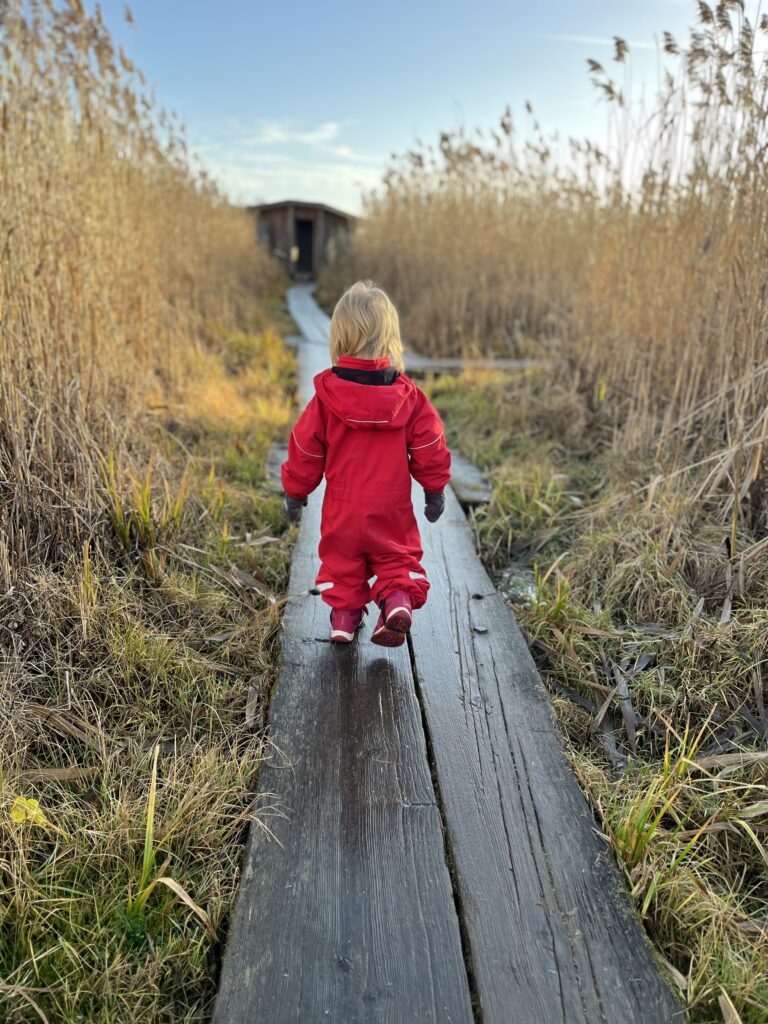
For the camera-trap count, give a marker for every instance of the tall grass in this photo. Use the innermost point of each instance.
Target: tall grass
(140, 387)
(629, 467)
(116, 258)
(637, 268)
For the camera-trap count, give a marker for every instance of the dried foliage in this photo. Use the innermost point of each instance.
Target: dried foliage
(630, 506)
(116, 259)
(636, 267)
(139, 390)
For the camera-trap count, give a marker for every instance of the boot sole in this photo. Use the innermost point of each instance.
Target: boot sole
(388, 638)
(400, 620)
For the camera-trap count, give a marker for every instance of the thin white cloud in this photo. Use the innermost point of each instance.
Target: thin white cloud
(336, 184)
(275, 159)
(598, 41)
(270, 133)
(346, 153)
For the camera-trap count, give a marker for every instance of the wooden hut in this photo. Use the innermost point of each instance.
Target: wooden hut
(299, 232)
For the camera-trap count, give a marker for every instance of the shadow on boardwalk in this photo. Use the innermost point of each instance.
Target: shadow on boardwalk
(437, 860)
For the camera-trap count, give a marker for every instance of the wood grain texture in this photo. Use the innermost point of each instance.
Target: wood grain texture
(276, 456)
(346, 910)
(548, 919)
(470, 485)
(455, 364)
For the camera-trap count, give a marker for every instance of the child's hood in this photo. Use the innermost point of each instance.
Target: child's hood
(368, 406)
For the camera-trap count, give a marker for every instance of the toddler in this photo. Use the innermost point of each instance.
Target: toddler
(368, 429)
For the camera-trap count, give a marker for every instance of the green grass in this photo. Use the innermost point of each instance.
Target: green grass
(635, 594)
(127, 724)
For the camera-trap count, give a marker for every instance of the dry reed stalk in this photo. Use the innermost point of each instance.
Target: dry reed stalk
(125, 283)
(117, 258)
(639, 271)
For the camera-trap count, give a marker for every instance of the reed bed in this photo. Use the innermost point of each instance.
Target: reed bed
(117, 258)
(636, 268)
(141, 551)
(629, 466)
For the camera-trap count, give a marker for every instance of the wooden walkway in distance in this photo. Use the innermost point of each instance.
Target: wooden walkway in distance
(454, 364)
(428, 854)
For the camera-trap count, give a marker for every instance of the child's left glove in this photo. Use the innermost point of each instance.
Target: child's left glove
(293, 507)
(435, 504)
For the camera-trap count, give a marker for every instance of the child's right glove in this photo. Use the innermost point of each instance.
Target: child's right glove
(293, 507)
(435, 503)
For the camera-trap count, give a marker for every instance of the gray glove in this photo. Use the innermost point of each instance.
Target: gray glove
(435, 504)
(293, 507)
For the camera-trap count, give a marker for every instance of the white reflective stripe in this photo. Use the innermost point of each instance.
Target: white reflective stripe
(311, 455)
(417, 446)
(350, 420)
(340, 632)
(401, 608)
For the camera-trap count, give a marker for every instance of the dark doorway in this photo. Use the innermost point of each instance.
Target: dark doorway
(304, 235)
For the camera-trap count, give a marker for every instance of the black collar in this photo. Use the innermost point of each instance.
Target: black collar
(376, 377)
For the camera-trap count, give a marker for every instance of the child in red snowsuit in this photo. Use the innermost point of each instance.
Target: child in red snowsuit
(368, 429)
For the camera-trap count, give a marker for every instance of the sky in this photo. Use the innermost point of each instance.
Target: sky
(309, 100)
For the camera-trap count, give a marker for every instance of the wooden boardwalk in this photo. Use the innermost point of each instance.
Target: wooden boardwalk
(424, 852)
(455, 364)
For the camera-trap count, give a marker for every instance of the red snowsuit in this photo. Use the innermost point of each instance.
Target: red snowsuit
(368, 439)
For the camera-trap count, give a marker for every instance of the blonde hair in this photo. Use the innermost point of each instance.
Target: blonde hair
(365, 324)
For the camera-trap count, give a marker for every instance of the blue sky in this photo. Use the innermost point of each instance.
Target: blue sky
(309, 99)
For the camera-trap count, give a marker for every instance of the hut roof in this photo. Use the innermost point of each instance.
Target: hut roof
(303, 202)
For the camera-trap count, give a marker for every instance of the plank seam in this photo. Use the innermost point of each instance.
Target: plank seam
(466, 948)
(524, 777)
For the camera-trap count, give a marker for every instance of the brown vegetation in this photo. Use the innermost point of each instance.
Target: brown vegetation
(629, 469)
(140, 386)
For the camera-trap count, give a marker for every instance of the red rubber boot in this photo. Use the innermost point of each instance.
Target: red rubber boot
(398, 611)
(386, 637)
(345, 623)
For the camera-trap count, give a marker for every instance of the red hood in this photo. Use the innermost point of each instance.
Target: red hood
(367, 406)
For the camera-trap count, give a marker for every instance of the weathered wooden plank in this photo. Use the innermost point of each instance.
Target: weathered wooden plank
(276, 456)
(470, 485)
(550, 932)
(345, 913)
(311, 320)
(345, 910)
(550, 928)
(314, 325)
(455, 364)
